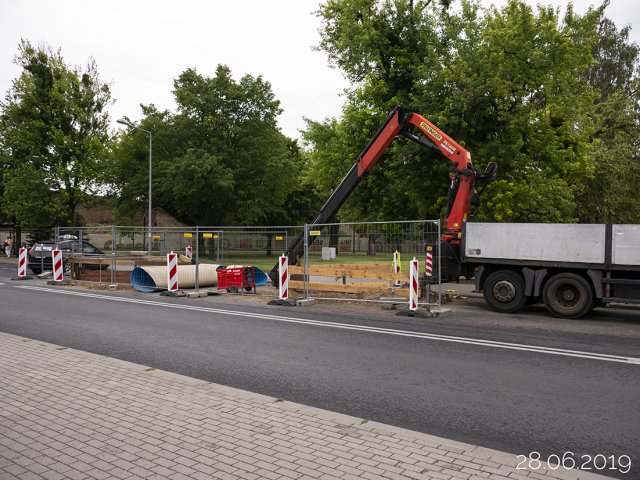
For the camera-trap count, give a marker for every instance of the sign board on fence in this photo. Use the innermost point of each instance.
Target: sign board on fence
(279, 237)
(156, 237)
(188, 235)
(314, 233)
(207, 235)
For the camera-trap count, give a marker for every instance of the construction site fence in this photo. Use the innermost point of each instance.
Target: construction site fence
(341, 261)
(355, 261)
(260, 246)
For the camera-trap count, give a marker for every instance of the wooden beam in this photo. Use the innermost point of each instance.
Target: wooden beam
(348, 288)
(347, 272)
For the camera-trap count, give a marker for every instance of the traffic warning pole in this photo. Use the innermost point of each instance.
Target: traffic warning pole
(189, 252)
(22, 263)
(283, 276)
(396, 262)
(56, 257)
(172, 272)
(413, 280)
(428, 270)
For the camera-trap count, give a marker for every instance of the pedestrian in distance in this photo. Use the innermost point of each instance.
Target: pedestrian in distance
(7, 247)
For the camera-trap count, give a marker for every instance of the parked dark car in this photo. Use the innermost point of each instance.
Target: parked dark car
(39, 257)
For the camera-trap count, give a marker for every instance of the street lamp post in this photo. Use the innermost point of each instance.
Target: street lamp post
(128, 123)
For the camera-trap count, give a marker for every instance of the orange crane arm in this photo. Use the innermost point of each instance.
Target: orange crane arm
(463, 175)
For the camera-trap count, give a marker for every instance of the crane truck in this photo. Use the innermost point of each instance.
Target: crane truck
(570, 268)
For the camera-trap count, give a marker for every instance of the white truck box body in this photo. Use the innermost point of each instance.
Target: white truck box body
(541, 242)
(626, 245)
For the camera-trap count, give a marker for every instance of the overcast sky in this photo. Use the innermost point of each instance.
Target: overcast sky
(141, 46)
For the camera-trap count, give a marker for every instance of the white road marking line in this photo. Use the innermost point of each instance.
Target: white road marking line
(362, 328)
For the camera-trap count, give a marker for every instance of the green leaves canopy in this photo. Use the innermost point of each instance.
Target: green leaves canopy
(53, 135)
(515, 86)
(220, 159)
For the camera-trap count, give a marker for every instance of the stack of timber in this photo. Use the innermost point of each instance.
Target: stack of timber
(366, 278)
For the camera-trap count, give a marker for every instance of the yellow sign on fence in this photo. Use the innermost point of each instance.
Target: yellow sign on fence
(207, 235)
(188, 235)
(314, 233)
(156, 237)
(279, 237)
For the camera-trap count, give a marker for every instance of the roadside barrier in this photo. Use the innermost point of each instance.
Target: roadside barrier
(413, 289)
(428, 262)
(189, 251)
(22, 263)
(56, 256)
(283, 275)
(172, 272)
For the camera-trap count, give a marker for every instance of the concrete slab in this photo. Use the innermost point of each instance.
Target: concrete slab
(306, 302)
(196, 294)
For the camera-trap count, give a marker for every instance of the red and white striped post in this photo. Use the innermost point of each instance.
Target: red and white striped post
(428, 263)
(56, 256)
(172, 272)
(283, 276)
(428, 270)
(189, 251)
(413, 280)
(22, 263)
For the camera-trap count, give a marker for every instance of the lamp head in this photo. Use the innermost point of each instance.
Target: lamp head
(125, 121)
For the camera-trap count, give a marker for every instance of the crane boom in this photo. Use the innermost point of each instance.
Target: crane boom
(399, 122)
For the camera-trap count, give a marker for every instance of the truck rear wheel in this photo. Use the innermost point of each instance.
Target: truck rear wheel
(567, 295)
(504, 291)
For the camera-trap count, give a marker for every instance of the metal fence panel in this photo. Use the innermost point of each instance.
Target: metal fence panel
(342, 261)
(228, 245)
(354, 261)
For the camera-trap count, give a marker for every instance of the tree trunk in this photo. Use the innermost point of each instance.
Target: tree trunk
(334, 236)
(371, 246)
(269, 244)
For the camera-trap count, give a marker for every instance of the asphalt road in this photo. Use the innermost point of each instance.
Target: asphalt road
(439, 376)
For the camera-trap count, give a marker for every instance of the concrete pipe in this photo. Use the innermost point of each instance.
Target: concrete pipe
(152, 278)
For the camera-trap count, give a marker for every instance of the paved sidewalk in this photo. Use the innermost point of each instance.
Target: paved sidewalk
(70, 414)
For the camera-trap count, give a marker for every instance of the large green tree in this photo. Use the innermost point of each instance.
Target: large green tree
(53, 136)
(517, 85)
(220, 159)
(611, 195)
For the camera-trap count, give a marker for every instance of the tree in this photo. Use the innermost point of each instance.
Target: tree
(53, 133)
(611, 194)
(221, 159)
(616, 60)
(508, 84)
(20, 185)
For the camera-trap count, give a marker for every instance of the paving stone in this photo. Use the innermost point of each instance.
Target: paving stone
(72, 414)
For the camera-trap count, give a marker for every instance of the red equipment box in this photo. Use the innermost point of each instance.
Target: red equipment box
(236, 278)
